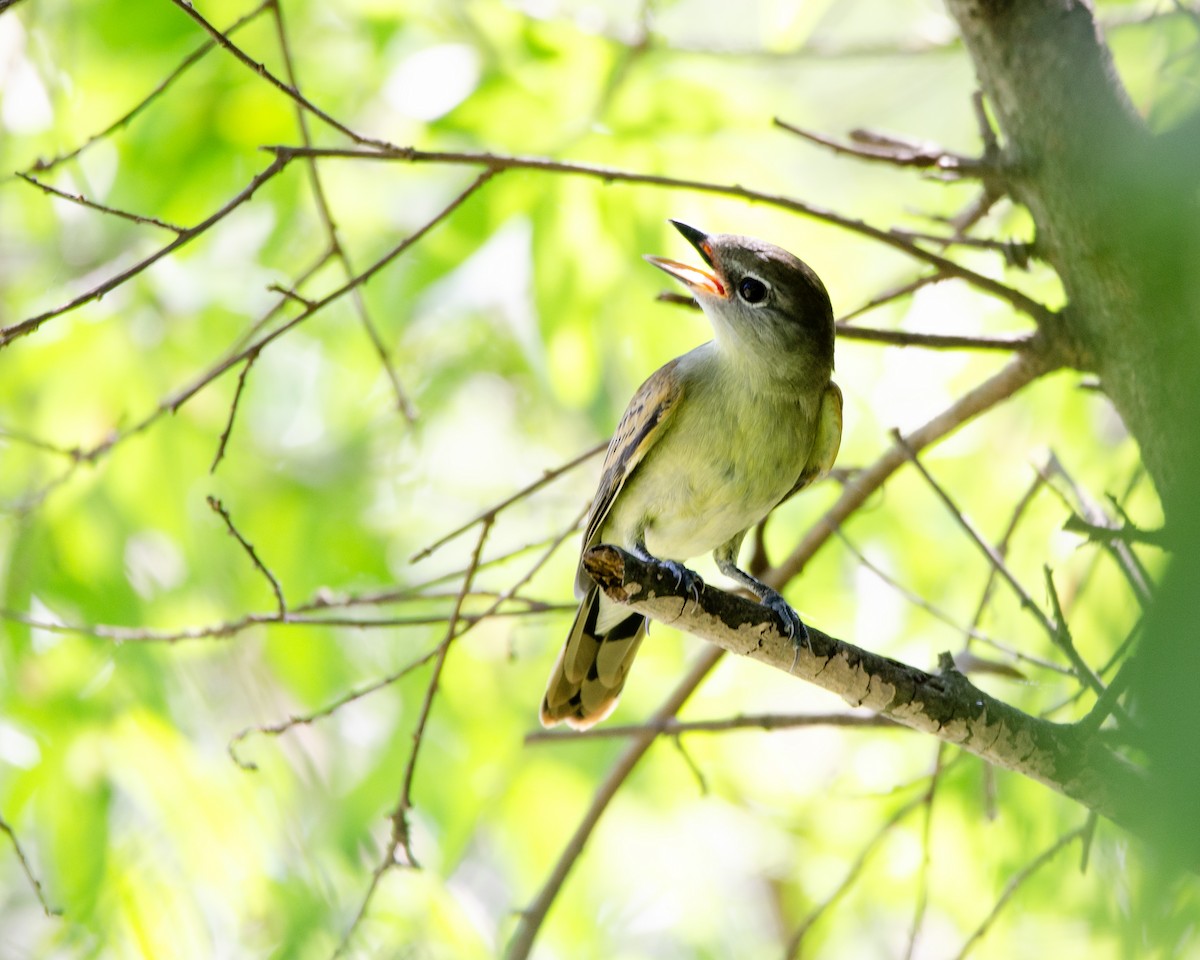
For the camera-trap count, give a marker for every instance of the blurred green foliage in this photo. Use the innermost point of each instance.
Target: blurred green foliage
(518, 328)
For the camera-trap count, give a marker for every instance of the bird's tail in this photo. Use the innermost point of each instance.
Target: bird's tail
(591, 669)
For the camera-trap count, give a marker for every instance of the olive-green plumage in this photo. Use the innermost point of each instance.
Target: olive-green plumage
(708, 446)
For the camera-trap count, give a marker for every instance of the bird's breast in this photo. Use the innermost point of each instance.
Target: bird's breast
(722, 465)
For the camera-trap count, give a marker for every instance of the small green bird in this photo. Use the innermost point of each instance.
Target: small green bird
(709, 445)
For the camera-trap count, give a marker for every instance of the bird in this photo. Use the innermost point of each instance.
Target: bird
(709, 445)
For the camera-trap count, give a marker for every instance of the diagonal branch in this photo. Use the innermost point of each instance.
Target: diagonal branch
(499, 162)
(532, 917)
(25, 327)
(945, 704)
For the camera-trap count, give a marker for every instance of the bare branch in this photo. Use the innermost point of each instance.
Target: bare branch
(189, 61)
(1002, 545)
(489, 514)
(896, 151)
(261, 70)
(403, 403)
(83, 201)
(1015, 883)
(401, 836)
(671, 727)
(935, 341)
(976, 537)
(792, 949)
(532, 917)
(219, 508)
(25, 327)
(1063, 639)
(500, 162)
(946, 704)
(233, 408)
(34, 882)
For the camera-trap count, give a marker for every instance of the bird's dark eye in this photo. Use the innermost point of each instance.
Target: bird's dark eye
(752, 290)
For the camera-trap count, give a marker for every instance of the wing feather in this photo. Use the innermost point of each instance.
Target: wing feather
(640, 428)
(826, 442)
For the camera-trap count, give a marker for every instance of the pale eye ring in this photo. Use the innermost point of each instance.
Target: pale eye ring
(752, 290)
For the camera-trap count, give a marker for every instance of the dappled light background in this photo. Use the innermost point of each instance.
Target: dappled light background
(141, 636)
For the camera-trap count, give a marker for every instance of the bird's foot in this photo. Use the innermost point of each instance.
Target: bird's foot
(793, 627)
(686, 579)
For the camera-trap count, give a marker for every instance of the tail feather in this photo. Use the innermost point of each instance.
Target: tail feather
(591, 669)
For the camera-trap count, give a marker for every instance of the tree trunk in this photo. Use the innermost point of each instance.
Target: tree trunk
(1115, 207)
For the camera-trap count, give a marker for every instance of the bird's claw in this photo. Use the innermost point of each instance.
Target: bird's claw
(789, 619)
(688, 580)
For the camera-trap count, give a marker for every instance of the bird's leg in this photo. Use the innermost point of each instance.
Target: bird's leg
(726, 558)
(688, 579)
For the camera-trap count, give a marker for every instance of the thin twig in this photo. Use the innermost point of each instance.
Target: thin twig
(1063, 639)
(359, 693)
(889, 296)
(500, 162)
(990, 552)
(34, 882)
(190, 60)
(233, 409)
(25, 327)
(261, 70)
(1002, 544)
(403, 403)
(546, 477)
(219, 508)
(968, 631)
(671, 727)
(921, 903)
(1090, 512)
(81, 200)
(1127, 533)
(934, 341)
(532, 917)
(792, 948)
(19, 436)
(1014, 884)
(895, 151)
(400, 831)
(401, 835)
(230, 628)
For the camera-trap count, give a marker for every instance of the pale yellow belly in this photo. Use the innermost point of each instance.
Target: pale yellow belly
(701, 487)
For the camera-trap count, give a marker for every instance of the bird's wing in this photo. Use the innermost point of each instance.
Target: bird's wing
(640, 428)
(826, 442)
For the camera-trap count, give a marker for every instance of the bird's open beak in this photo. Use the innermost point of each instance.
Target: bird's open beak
(692, 277)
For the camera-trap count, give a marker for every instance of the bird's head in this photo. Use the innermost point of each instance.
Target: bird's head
(761, 300)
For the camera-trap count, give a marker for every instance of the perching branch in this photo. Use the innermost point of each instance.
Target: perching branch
(945, 704)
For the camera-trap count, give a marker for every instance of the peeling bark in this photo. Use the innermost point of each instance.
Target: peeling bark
(945, 704)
